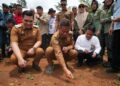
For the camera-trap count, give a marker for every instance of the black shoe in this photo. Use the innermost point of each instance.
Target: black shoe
(36, 67)
(111, 70)
(106, 65)
(91, 63)
(1, 57)
(21, 70)
(49, 69)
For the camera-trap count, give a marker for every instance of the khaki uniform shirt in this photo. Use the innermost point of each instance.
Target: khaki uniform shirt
(57, 43)
(26, 38)
(43, 27)
(68, 14)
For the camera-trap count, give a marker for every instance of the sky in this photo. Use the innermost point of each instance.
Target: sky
(46, 4)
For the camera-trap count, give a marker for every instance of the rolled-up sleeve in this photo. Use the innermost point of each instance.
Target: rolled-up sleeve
(78, 43)
(97, 46)
(14, 35)
(56, 47)
(39, 37)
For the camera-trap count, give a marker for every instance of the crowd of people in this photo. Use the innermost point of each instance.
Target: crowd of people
(83, 34)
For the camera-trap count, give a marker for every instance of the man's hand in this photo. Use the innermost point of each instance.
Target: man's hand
(38, 17)
(22, 63)
(65, 49)
(94, 55)
(86, 51)
(102, 20)
(31, 51)
(97, 33)
(110, 31)
(81, 31)
(69, 74)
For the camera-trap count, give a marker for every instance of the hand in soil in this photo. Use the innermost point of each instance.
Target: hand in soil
(69, 74)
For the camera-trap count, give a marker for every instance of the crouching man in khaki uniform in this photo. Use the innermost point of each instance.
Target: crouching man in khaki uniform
(61, 47)
(25, 42)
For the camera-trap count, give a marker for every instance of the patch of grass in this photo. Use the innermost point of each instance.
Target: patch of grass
(117, 83)
(30, 76)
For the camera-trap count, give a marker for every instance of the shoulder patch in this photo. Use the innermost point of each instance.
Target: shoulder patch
(18, 26)
(36, 26)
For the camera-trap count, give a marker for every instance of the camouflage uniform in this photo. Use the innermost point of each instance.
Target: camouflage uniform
(106, 39)
(94, 20)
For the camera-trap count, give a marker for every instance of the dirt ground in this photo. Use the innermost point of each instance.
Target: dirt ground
(84, 76)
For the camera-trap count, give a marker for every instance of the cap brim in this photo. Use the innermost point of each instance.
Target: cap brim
(51, 12)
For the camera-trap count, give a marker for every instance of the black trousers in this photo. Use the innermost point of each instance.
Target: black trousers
(45, 41)
(106, 41)
(3, 39)
(115, 62)
(90, 59)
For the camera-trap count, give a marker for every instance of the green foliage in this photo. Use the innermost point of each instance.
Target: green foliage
(87, 2)
(23, 3)
(58, 7)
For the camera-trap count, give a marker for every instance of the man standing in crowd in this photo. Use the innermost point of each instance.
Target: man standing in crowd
(115, 26)
(4, 16)
(10, 23)
(61, 48)
(88, 47)
(18, 15)
(51, 23)
(75, 11)
(1, 36)
(65, 13)
(105, 38)
(25, 42)
(75, 26)
(42, 22)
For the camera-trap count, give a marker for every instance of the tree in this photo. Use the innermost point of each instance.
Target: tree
(88, 2)
(58, 7)
(23, 3)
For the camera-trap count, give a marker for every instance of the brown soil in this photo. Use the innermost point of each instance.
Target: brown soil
(84, 76)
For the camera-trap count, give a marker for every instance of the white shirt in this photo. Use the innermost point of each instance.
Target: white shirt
(51, 26)
(92, 45)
